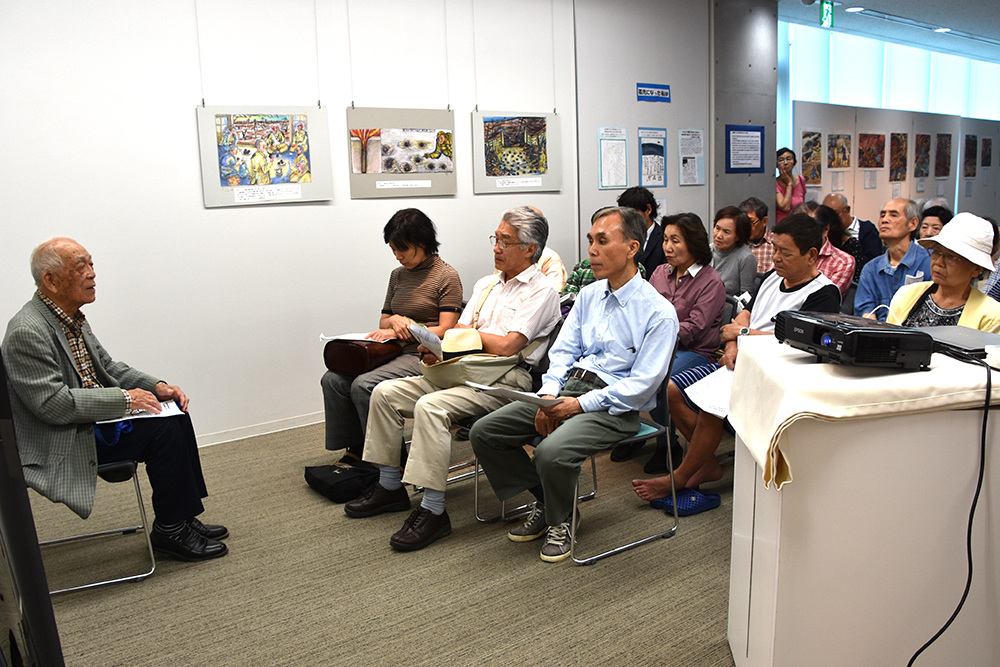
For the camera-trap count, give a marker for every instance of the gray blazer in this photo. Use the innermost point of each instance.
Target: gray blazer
(53, 414)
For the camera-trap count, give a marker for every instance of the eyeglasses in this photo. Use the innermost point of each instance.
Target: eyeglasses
(944, 255)
(494, 241)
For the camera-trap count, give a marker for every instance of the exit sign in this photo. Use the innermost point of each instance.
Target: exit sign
(826, 14)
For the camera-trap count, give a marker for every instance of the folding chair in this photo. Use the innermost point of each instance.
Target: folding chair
(120, 471)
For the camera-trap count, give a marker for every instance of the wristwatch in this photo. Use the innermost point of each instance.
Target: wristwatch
(744, 331)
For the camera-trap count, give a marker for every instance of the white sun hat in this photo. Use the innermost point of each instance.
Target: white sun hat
(968, 236)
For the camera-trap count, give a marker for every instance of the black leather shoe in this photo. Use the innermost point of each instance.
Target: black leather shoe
(209, 530)
(420, 529)
(186, 545)
(377, 499)
(621, 453)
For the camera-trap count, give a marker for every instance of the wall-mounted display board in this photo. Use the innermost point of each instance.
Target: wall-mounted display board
(264, 155)
(400, 152)
(515, 152)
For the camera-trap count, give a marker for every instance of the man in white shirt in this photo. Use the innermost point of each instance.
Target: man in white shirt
(509, 310)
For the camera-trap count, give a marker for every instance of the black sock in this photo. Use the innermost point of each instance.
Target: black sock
(168, 528)
(538, 493)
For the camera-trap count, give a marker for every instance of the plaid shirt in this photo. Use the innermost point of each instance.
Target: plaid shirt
(73, 328)
(582, 275)
(836, 265)
(763, 250)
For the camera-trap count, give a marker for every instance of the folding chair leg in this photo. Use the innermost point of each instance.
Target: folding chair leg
(523, 510)
(144, 527)
(670, 532)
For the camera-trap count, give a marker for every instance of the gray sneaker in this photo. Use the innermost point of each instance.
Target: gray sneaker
(558, 542)
(533, 528)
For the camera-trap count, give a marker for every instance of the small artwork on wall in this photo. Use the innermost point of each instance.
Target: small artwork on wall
(971, 153)
(401, 152)
(986, 160)
(942, 156)
(812, 157)
(838, 151)
(871, 151)
(922, 156)
(897, 156)
(515, 152)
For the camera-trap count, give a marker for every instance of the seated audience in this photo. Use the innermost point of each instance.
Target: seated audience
(794, 284)
(760, 236)
(902, 263)
(607, 363)
(933, 220)
(642, 200)
(958, 255)
(425, 290)
(835, 264)
(62, 381)
(552, 267)
(862, 230)
(510, 311)
(731, 256)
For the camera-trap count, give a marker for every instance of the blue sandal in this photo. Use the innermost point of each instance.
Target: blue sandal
(689, 502)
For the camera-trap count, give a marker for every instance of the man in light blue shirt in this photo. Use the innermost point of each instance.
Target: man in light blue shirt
(607, 364)
(902, 263)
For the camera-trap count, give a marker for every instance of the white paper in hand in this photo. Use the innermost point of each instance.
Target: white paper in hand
(427, 338)
(712, 393)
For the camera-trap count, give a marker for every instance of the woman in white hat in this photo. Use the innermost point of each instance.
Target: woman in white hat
(958, 255)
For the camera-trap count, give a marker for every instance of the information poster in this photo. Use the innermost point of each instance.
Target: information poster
(613, 157)
(744, 149)
(691, 154)
(652, 157)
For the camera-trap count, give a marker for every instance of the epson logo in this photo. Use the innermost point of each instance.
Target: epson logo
(798, 330)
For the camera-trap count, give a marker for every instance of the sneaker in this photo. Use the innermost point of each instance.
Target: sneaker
(533, 528)
(558, 542)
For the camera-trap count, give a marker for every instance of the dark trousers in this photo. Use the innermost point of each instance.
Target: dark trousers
(170, 451)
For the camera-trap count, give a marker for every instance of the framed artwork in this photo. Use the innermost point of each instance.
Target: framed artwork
(812, 157)
(969, 158)
(653, 157)
(942, 156)
(871, 151)
(922, 156)
(264, 155)
(515, 152)
(400, 152)
(897, 156)
(987, 153)
(744, 149)
(838, 151)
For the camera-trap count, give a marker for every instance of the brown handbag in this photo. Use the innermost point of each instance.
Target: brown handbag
(354, 357)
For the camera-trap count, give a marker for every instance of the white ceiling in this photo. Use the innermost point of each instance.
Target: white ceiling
(977, 17)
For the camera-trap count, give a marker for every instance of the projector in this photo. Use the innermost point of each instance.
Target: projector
(854, 341)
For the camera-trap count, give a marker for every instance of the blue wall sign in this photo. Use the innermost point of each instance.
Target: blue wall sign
(652, 92)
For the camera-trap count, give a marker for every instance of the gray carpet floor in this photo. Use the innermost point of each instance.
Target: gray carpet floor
(306, 585)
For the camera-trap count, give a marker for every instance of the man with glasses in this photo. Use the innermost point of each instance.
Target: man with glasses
(761, 239)
(509, 310)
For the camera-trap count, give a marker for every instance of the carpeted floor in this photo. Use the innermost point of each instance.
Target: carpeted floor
(306, 585)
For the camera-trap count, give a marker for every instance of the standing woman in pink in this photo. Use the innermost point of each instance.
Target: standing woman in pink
(791, 189)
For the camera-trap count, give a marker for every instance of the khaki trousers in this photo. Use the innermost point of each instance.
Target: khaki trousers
(433, 411)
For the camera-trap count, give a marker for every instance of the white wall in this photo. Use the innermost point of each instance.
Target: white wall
(98, 101)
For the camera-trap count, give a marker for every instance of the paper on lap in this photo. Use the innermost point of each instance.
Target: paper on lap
(167, 409)
(515, 395)
(712, 392)
(427, 338)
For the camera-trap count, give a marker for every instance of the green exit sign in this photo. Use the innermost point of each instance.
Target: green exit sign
(826, 14)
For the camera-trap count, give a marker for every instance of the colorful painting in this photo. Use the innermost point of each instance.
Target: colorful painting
(812, 157)
(401, 151)
(871, 151)
(838, 151)
(922, 156)
(263, 149)
(515, 145)
(942, 156)
(987, 156)
(897, 156)
(971, 153)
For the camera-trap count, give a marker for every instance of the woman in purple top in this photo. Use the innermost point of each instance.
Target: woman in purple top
(693, 287)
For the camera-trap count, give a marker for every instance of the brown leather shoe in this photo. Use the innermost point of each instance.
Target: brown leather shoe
(420, 529)
(377, 499)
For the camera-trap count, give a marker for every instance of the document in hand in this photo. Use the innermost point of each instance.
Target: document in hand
(351, 336)
(427, 338)
(712, 392)
(167, 409)
(515, 395)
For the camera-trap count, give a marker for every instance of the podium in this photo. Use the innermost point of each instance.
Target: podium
(860, 558)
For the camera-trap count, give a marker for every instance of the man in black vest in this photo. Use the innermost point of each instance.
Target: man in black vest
(643, 201)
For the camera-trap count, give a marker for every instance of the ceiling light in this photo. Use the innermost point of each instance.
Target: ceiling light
(854, 9)
(942, 30)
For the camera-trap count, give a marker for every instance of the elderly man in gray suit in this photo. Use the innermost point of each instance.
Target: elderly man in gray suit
(62, 381)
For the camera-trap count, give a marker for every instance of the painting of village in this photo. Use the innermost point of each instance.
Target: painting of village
(922, 156)
(262, 149)
(897, 156)
(871, 151)
(838, 151)
(515, 145)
